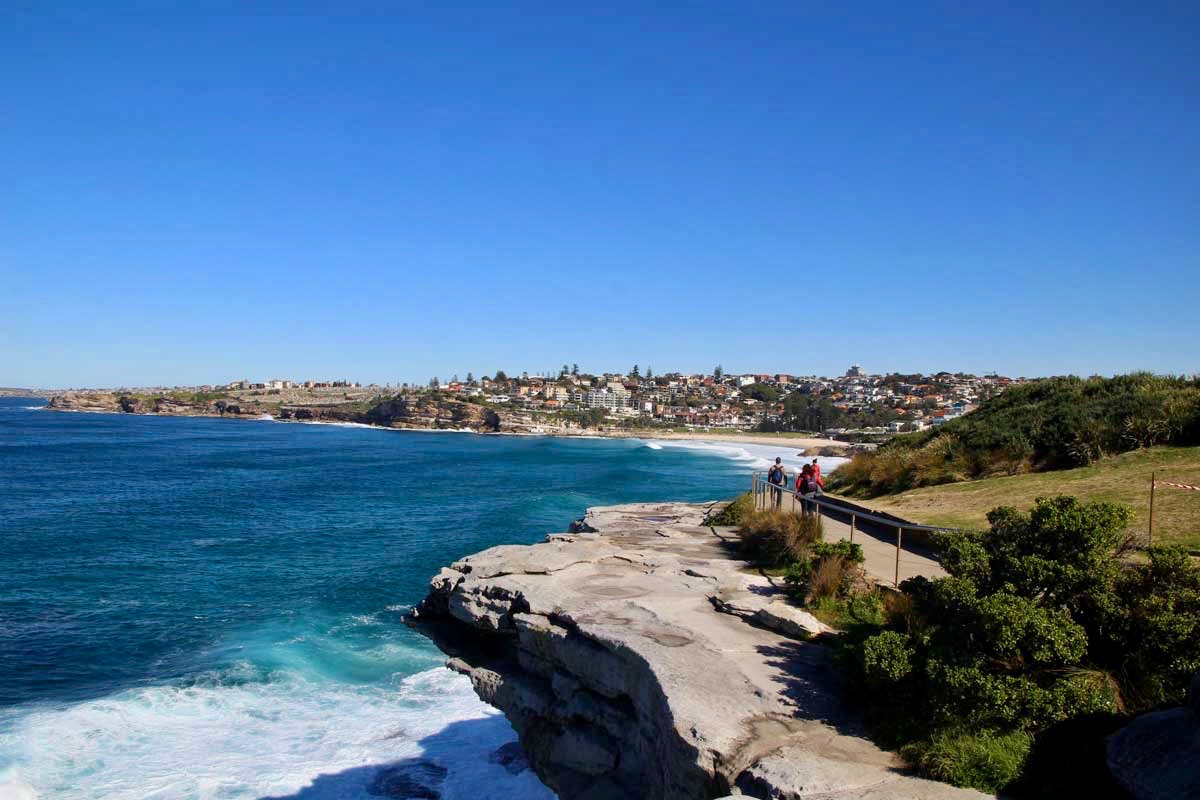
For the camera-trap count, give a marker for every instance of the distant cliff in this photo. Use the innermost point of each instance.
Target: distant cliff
(418, 412)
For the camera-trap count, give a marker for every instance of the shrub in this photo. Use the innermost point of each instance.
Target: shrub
(826, 572)
(1037, 624)
(1150, 634)
(983, 760)
(778, 538)
(856, 612)
(829, 578)
(734, 512)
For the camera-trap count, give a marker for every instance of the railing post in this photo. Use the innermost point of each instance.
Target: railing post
(853, 517)
(899, 536)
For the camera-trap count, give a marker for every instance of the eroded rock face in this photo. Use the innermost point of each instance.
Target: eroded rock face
(637, 658)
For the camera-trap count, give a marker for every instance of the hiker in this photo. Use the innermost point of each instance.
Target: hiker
(816, 468)
(777, 477)
(808, 486)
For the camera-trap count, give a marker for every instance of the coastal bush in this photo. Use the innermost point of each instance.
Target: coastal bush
(826, 571)
(1039, 622)
(734, 512)
(774, 539)
(1056, 423)
(858, 611)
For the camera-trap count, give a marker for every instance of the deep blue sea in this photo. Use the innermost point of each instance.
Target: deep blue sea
(207, 608)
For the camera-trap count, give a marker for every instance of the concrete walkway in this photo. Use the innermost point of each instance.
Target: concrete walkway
(881, 554)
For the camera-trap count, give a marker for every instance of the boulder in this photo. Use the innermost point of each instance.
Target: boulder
(1157, 756)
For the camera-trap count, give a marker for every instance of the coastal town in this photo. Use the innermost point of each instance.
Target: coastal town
(856, 406)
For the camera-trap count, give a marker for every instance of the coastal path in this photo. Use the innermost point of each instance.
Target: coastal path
(889, 559)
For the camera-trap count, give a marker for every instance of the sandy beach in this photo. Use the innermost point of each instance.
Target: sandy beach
(777, 440)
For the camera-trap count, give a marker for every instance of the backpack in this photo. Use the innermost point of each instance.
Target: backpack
(775, 475)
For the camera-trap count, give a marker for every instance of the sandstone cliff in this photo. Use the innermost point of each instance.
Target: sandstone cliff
(419, 412)
(636, 658)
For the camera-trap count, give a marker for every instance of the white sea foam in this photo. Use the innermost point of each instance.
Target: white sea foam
(256, 740)
(753, 455)
(654, 445)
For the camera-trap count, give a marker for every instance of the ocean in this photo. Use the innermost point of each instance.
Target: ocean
(206, 608)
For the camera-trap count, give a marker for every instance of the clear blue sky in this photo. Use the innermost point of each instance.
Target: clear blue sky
(391, 191)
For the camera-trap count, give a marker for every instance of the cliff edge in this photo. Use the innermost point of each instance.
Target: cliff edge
(637, 657)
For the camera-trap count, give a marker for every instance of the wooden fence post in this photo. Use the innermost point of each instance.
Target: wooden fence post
(899, 536)
(853, 517)
(1150, 530)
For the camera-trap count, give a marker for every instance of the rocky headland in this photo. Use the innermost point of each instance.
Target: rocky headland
(637, 657)
(419, 412)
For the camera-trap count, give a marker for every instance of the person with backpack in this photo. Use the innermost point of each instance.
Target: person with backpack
(777, 477)
(808, 486)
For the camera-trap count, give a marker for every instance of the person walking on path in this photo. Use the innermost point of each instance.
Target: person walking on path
(816, 468)
(777, 477)
(808, 486)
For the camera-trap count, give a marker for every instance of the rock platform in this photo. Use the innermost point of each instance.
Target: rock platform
(637, 657)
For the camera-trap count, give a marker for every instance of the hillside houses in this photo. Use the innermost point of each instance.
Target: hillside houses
(872, 405)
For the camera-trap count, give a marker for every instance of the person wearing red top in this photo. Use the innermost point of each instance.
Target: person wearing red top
(816, 470)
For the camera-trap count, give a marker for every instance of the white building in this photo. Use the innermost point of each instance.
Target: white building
(607, 399)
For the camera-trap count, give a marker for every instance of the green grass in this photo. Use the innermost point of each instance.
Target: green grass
(981, 760)
(1124, 479)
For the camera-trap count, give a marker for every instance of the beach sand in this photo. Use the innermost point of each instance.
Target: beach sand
(789, 442)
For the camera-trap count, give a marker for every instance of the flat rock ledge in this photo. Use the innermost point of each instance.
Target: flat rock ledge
(637, 657)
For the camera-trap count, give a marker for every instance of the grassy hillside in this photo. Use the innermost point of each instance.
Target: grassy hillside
(1051, 424)
(1124, 478)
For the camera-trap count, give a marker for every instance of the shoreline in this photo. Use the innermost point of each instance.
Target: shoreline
(732, 437)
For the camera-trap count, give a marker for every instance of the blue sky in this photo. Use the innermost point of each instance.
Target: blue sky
(391, 191)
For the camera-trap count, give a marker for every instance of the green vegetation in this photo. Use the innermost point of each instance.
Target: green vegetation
(761, 391)
(778, 539)
(1052, 424)
(816, 412)
(1040, 625)
(1120, 479)
(734, 512)
(824, 572)
(983, 760)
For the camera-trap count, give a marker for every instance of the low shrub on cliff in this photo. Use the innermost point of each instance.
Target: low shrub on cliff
(775, 539)
(1039, 623)
(827, 571)
(734, 512)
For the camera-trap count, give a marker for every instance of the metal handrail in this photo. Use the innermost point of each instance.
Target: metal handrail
(759, 485)
(816, 500)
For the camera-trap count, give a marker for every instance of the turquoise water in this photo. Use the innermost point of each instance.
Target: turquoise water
(205, 608)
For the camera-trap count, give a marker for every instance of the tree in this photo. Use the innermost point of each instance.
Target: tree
(574, 369)
(718, 373)
(634, 373)
(434, 382)
(761, 391)
(455, 378)
(649, 373)
(500, 376)
(470, 378)
(565, 369)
